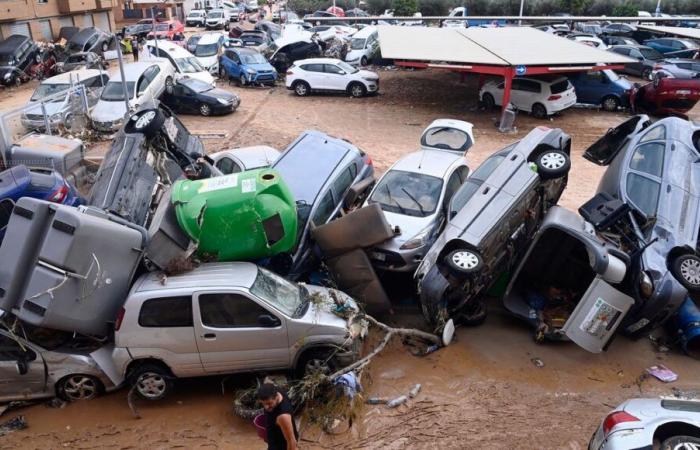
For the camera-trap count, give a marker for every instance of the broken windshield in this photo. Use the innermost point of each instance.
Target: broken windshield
(277, 291)
(409, 193)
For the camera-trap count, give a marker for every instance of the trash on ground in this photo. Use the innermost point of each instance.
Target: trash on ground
(14, 424)
(537, 362)
(393, 403)
(662, 373)
(414, 391)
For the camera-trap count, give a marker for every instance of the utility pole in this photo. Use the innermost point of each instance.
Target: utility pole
(155, 35)
(121, 71)
(522, 3)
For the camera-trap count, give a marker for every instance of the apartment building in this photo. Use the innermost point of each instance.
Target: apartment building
(42, 19)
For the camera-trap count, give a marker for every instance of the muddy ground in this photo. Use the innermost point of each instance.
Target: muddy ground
(483, 391)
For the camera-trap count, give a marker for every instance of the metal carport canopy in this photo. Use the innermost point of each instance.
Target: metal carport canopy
(693, 33)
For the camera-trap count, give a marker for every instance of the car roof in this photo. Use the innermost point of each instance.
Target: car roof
(83, 35)
(209, 38)
(317, 61)
(435, 163)
(10, 44)
(73, 75)
(365, 32)
(254, 156)
(208, 275)
(132, 71)
(174, 50)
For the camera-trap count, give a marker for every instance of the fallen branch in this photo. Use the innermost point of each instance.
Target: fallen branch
(130, 400)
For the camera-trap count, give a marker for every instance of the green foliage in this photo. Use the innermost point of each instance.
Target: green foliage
(624, 10)
(404, 7)
(575, 7)
(434, 7)
(377, 7)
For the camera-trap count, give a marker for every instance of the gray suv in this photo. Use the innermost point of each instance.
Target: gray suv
(229, 317)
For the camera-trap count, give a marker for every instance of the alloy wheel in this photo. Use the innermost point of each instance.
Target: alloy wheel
(465, 260)
(553, 160)
(205, 110)
(80, 387)
(151, 385)
(690, 270)
(356, 90)
(686, 446)
(144, 120)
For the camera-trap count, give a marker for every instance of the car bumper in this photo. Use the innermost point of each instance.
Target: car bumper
(554, 107)
(262, 78)
(224, 109)
(634, 439)
(372, 86)
(107, 127)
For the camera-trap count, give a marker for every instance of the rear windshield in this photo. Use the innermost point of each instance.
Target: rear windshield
(115, 91)
(681, 405)
(408, 193)
(447, 138)
(560, 86)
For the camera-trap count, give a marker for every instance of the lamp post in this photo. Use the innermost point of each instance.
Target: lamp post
(120, 59)
(522, 3)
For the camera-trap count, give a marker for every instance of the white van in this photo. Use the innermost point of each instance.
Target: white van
(363, 46)
(217, 19)
(184, 62)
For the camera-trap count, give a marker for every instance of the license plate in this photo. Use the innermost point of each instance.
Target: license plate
(683, 92)
(378, 256)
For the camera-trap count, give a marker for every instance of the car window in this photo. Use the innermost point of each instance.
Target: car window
(643, 192)
(312, 67)
(229, 311)
(324, 210)
(516, 85)
(559, 87)
(623, 51)
(487, 167)
(227, 166)
(343, 182)
(463, 172)
(10, 350)
(408, 193)
(595, 76)
(530, 86)
(166, 312)
(462, 196)
(654, 134)
(649, 158)
(453, 184)
(331, 68)
(92, 41)
(6, 207)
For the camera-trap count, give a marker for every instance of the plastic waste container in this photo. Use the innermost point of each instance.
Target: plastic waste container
(242, 216)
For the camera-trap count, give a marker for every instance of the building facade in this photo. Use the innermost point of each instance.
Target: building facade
(42, 19)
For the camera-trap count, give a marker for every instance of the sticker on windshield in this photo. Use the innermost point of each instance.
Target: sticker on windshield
(248, 185)
(600, 319)
(214, 184)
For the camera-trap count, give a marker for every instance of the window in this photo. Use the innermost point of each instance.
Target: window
(626, 51)
(92, 41)
(228, 166)
(166, 312)
(408, 193)
(324, 210)
(453, 183)
(229, 311)
(312, 67)
(10, 350)
(6, 206)
(559, 87)
(654, 134)
(344, 181)
(330, 68)
(526, 85)
(595, 76)
(643, 192)
(463, 195)
(463, 172)
(649, 158)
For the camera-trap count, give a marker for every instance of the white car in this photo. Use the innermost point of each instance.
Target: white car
(208, 49)
(456, 23)
(538, 96)
(218, 18)
(196, 18)
(588, 39)
(145, 82)
(330, 75)
(244, 158)
(184, 62)
(363, 46)
(415, 191)
(327, 32)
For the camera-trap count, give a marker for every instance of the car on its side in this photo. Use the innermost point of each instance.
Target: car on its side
(145, 81)
(192, 96)
(223, 318)
(17, 54)
(674, 47)
(664, 423)
(208, 48)
(364, 45)
(90, 39)
(81, 60)
(137, 30)
(196, 18)
(490, 221)
(414, 193)
(677, 68)
(647, 58)
(541, 97)
(167, 30)
(666, 96)
(601, 87)
(244, 158)
(330, 75)
(186, 65)
(246, 65)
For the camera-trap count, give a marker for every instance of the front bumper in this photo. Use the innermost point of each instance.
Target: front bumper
(262, 78)
(372, 86)
(223, 109)
(401, 261)
(107, 127)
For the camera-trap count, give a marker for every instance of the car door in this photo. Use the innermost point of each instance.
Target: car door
(233, 335)
(14, 384)
(604, 150)
(313, 74)
(189, 100)
(636, 67)
(174, 100)
(518, 95)
(234, 64)
(335, 79)
(591, 87)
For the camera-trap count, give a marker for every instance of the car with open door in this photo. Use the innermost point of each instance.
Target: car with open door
(414, 193)
(653, 169)
(490, 221)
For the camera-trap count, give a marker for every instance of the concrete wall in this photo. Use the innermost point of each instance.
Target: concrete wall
(50, 12)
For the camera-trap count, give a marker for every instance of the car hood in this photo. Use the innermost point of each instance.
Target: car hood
(368, 74)
(319, 313)
(259, 66)
(204, 77)
(409, 226)
(105, 111)
(208, 61)
(354, 54)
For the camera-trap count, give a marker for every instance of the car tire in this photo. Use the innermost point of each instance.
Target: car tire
(241, 80)
(552, 164)
(610, 103)
(463, 261)
(316, 361)
(301, 88)
(646, 74)
(488, 101)
(357, 90)
(363, 61)
(686, 269)
(539, 111)
(68, 121)
(204, 109)
(17, 81)
(147, 122)
(169, 85)
(679, 442)
(472, 314)
(105, 46)
(151, 381)
(222, 72)
(78, 387)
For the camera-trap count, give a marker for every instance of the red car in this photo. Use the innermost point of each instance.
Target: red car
(665, 96)
(167, 29)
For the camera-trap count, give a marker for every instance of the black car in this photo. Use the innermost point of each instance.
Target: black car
(197, 97)
(647, 58)
(17, 54)
(90, 39)
(282, 58)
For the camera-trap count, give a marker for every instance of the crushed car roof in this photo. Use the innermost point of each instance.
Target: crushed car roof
(233, 274)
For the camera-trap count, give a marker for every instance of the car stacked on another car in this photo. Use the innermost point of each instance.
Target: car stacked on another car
(194, 96)
(90, 39)
(186, 65)
(330, 75)
(541, 97)
(207, 51)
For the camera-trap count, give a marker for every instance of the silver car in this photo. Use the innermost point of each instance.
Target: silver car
(228, 317)
(678, 68)
(244, 158)
(415, 191)
(646, 423)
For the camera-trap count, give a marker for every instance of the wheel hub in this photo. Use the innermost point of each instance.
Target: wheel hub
(145, 119)
(690, 270)
(80, 388)
(151, 385)
(465, 260)
(553, 160)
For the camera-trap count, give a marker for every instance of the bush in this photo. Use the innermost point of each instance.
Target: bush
(404, 7)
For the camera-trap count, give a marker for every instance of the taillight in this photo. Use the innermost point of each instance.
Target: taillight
(616, 418)
(554, 97)
(59, 195)
(657, 67)
(120, 318)
(369, 160)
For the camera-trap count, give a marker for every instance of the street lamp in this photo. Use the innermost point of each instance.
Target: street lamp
(522, 3)
(121, 70)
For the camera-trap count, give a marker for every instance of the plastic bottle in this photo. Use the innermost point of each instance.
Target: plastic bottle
(414, 390)
(397, 401)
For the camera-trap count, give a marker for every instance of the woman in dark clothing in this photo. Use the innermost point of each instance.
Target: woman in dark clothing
(282, 432)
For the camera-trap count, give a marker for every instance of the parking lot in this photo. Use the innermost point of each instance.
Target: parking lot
(484, 387)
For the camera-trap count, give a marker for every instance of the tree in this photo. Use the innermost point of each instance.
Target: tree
(378, 6)
(404, 7)
(624, 10)
(434, 7)
(575, 7)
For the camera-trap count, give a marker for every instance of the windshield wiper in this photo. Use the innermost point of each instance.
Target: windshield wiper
(392, 200)
(422, 211)
(304, 302)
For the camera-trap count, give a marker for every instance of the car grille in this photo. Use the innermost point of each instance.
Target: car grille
(34, 117)
(392, 259)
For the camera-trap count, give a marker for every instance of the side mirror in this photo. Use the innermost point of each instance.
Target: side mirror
(268, 321)
(22, 366)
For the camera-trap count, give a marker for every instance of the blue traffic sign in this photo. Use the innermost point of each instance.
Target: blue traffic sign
(520, 70)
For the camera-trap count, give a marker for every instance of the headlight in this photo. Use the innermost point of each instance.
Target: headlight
(418, 240)
(370, 78)
(250, 71)
(646, 286)
(222, 101)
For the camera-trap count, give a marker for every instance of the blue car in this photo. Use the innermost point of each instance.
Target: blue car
(44, 184)
(247, 66)
(676, 47)
(601, 87)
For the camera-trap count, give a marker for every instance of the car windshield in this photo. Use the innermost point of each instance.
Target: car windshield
(206, 49)
(190, 64)
(408, 193)
(162, 27)
(347, 67)
(253, 58)
(688, 44)
(198, 85)
(74, 47)
(195, 14)
(47, 89)
(357, 44)
(215, 15)
(114, 91)
(278, 292)
(650, 53)
(560, 86)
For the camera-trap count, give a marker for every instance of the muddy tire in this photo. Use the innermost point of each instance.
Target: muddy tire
(222, 72)
(152, 382)
(552, 164)
(357, 90)
(473, 314)
(462, 262)
(78, 387)
(610, 103)
(680, 443)
(363, 61)
(242, 81)
(244, 405)
(147, 122)
(302, 88)
(686, 269)
(539, 111)
(204, 109)
(316, 361)
(488, 101)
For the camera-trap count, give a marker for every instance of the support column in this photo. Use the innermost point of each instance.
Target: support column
(508, 74)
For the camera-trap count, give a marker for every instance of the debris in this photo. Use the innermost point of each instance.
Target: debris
(377, 401)
(537, 362)
(397, 401)
(130, 400)
(56, 403)
(685, 394)
(349, 383)
(431, 349)
(662, 373)
(414, 391)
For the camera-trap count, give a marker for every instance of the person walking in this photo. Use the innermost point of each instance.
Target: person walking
(282, 432)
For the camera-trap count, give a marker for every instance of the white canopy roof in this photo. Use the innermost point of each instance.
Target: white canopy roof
(693, 33)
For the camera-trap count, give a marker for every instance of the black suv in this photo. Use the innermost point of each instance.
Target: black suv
(17, 54)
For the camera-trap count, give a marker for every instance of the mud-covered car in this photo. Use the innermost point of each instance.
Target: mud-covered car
(652, 169)
(490, 221)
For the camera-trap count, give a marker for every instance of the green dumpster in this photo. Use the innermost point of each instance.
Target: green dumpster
(242, 216)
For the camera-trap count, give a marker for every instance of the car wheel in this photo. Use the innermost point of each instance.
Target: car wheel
(315, 362)
(473, 314)
(488, 101)
(363, 61)
(357, 90)
(302, 88)
(681, 443)
(78, 387)
(646, 73)
(105, 46)
(552, 164)
(242, 81)
(686, 269)
(17, 81)
(539, 111)
(205, 109)
(147, 122)
(222, 72)
(169, 85)
(68, 121)
(610, 103)
(152, 382)
(464, 262)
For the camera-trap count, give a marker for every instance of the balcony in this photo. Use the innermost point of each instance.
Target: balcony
(13, 10)
(105, 4)
(75, 6)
